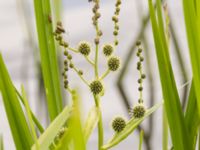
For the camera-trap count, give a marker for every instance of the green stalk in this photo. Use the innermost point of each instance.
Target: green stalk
(100, 123)
(165, 131)
(1, 142)
(141, 139)
(96, 61)
(48, 57)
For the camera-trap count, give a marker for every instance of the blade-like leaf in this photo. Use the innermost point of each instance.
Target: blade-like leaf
(175, 116)
(91, 122)
(36, 122)
(28, 111)
(1, 142)
(192, 22)
(48, 136)
(48, 57)
(130, 127)
(19, 127)
(192, 118)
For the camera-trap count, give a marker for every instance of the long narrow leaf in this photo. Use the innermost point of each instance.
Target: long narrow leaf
(1, 142)
(130, 127)
(192, 22)
(91, 122)
(19, 127)
(192, 118)
(48, 57)
(28, 111)
(48, 136)
(172, 104)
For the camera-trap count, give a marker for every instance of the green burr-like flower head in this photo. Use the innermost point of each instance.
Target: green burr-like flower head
(96, 87)
(138, 111)
(84, 48)
(113, 63)
(108, 49)
(118, 124)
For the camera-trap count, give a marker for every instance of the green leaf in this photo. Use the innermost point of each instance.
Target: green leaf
(192, 22)
(37, 123)
(130, 127)
(15, 115)
(48, 57)
(28, 111)
(192, 118)
(1, 142)
(175, 116)
(91, 122)
(48, 136)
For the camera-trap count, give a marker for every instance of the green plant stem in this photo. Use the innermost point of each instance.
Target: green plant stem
(165, 131)
(72, 49)
(96, 61)
(141, 139)
(105, 74)
(89, 60)
(100, 123)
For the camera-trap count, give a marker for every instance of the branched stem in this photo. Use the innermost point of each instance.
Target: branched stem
(105, 74)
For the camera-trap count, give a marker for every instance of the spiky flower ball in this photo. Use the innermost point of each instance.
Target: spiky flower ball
(108, 50)
(84, 48)
(138, 111)
(113, 63)
(96, 87)
(118, 124)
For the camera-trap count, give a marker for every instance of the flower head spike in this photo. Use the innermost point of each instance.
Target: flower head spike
(138, 111)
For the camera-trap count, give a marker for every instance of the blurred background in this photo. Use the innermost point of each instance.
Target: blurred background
(19, 47)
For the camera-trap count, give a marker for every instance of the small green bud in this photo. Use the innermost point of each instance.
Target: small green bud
(108, 49)
(116, 42)
(118, 124)
(143, 76)
(138, 111)
(139, 80)
(115, 19)
(140, 88)
(113, 63)
(84, 48)
(69, 57)
(139, 50)
(96, 87)
(115, 33)
(80, 72)
(141, 59)
(66, 53)
(71, 65)
(65, 62)
(96, 40)
(138, 43)
(66, 44)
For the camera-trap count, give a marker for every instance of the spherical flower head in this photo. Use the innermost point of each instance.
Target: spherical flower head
(84, 48)
(108, 49)
(96, 87)
(118, 124)
(113, 63)
(138, 111)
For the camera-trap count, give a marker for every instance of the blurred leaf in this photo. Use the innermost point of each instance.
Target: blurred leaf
(48, 57)
(130, 127)
(91, 122)
(192, 118)
(178, 130)
(15, 115)
(75, 127)
(1, 142)
(48, 136)
(28, 111)
(37, 123)
(192, 22)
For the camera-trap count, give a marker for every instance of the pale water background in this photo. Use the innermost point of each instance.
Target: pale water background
(77, 21)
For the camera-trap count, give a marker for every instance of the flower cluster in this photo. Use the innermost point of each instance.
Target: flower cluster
(139, 110)
(118, 124)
